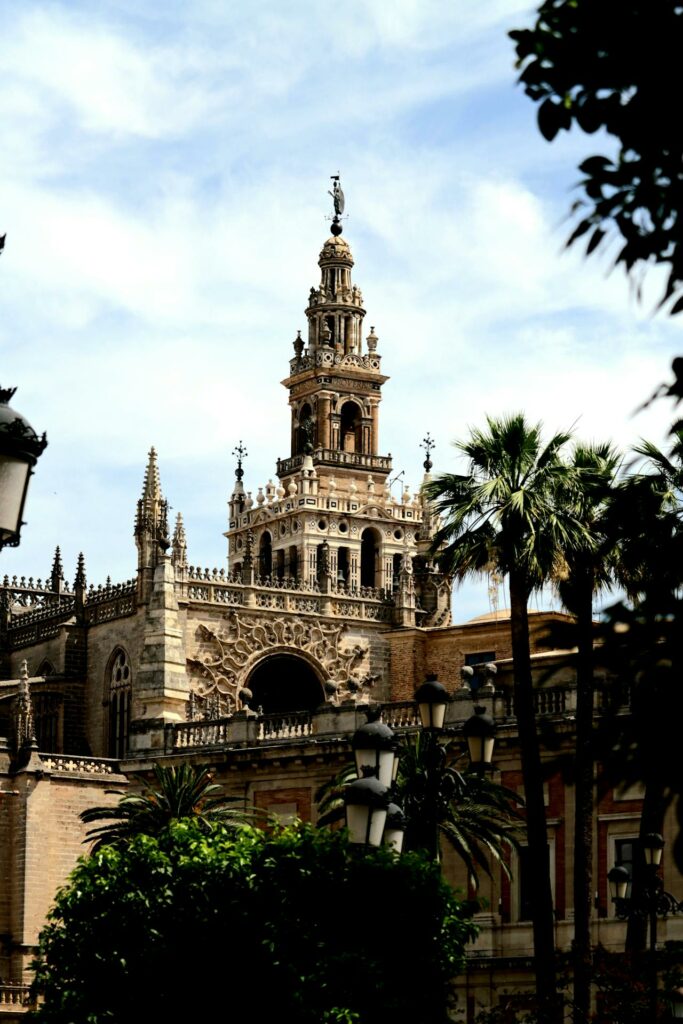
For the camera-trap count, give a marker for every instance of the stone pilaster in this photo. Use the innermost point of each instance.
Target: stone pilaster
(162, 688)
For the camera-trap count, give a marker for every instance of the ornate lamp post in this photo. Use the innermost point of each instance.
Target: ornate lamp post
(652, 902)
(366, 802)
(20, 448)
(432, 699)
(374, 749)
(480, 733)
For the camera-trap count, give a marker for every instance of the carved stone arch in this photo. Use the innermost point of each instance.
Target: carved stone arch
(284, 680)
(118, 686)
(46, 668)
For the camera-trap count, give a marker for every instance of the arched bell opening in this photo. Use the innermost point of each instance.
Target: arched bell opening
(265, 554)
(370, 558)
(351, 428)
(305, 431)
(285, 682)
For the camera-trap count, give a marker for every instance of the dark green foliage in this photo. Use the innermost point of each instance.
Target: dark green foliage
(176, 792)
(281, 926)
(614, 66)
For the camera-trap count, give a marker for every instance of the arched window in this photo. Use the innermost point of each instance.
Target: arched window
(45, 668)
(305, 433)
(119, 703)
(47, 721)
(293, 562)
(351, 430)
(395, 571)
(265, 554)
(369, 558)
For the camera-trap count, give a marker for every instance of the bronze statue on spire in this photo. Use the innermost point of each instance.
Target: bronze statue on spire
(338, 200)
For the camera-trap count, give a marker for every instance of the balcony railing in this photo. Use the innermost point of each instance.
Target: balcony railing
(332, 457)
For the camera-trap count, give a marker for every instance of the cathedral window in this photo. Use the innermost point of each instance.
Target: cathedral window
(119, 703)
(351, 428)
(265, 554)
(280, 564)
(46, 717)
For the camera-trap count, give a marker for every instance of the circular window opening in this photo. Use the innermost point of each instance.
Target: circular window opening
(238, 544)
(295, 526)
(322, 525)
(398, 534)
(283, 530)
(343, 527)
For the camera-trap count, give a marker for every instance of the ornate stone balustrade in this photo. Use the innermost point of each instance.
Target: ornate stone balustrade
(247, 730)
(286, 595)
(550, 700)
(332, 457)
(63, 764)
(292, 726)
(325, 356)
(13, 997)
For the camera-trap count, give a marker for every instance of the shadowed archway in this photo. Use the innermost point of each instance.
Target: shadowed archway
(284, 682)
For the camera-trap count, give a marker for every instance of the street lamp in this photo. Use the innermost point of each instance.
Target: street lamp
(480, 731)
(20, 448)
(675, 1001)
(394, 828)
(652, 901)
(431, 699)
(366, 802)
(374, 749)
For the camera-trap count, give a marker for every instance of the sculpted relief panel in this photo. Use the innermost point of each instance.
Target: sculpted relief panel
(225, 657)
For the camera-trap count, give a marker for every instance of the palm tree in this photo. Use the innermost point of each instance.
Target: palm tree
(591, 497)
(504, 514)
(477, 817)
(175, 793)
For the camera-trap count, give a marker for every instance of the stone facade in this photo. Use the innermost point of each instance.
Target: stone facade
(262, 669)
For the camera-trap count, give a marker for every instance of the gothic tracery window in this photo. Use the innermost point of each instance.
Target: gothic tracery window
(119, 703)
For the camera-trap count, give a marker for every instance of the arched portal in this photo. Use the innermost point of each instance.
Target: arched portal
(369, 558)
(285, 682)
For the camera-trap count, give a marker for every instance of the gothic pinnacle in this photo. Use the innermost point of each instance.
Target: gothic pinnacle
(57, 572)
(151, 488)
(80, 580)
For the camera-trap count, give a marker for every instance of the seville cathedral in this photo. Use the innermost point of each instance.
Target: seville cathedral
(329, 602)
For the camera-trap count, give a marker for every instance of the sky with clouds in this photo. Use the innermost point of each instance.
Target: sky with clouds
(163, 188)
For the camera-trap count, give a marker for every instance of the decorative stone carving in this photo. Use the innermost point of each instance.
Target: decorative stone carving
(225, 658)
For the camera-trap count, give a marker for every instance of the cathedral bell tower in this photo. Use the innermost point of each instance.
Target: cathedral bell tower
(332, 525)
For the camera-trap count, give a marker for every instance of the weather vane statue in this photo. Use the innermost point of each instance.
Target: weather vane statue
(338, 200)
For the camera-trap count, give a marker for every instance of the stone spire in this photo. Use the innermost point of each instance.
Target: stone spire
(151, 487)
(151, 526)
(179, 556)
(57, 572)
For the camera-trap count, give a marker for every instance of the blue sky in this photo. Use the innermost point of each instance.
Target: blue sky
(163, 188)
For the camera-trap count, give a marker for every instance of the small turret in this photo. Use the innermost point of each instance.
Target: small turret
(179, 556)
